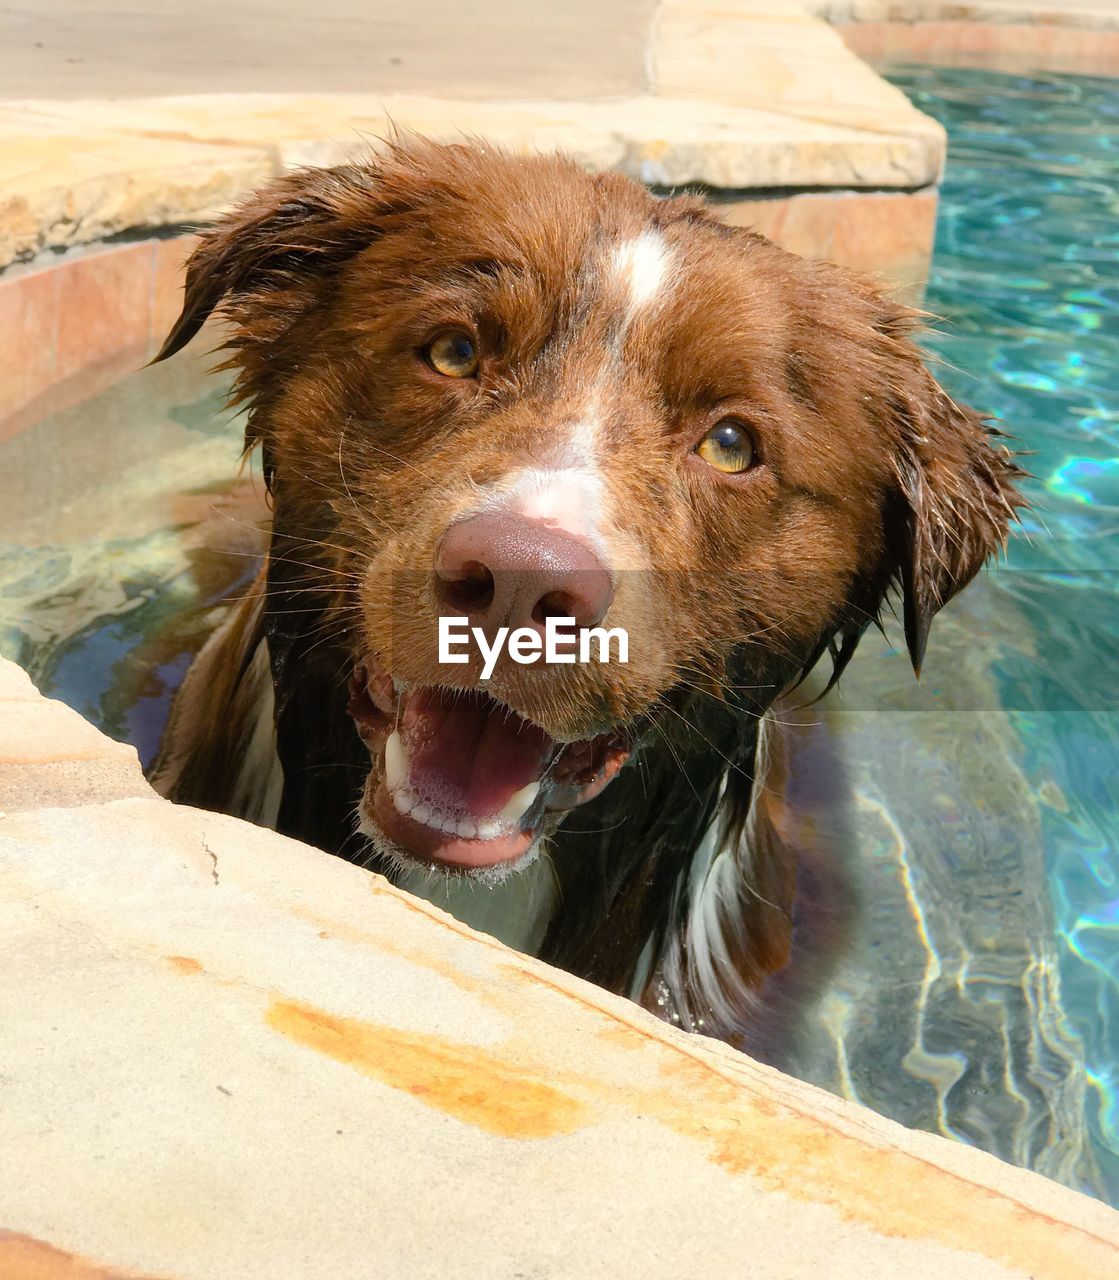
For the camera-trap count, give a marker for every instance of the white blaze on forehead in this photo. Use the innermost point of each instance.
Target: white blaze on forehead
(583, 438)
(643, 265)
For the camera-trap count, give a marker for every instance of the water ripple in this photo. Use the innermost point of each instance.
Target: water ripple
(1027, 273)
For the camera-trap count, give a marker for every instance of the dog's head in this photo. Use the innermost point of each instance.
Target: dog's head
(507, 390)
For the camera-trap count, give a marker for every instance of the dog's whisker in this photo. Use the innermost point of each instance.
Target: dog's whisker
(679, 763)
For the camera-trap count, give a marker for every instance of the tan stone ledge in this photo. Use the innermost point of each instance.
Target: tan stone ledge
(1087, 15)
(737, 93)
(228, 1055)
(79, 171)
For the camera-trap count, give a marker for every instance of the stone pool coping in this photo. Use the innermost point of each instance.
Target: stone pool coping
(757, 100)
(227, 1054)
(738, 94)
(749, 97)
(761, 100)
(1077, 15)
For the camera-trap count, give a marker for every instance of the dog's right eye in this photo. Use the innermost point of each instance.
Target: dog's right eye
(452, 354)
(728, 447)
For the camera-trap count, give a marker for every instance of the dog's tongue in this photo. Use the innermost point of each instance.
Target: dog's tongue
(469, 753)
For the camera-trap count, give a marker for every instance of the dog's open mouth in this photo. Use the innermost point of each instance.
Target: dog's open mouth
(460, 779)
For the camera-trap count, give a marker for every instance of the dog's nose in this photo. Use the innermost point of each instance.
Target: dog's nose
(501, 569)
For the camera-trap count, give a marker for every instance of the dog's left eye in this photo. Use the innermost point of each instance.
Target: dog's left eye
(453, 354)
(728, 447)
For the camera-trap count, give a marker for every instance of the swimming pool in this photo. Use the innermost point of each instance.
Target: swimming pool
(973, 984)
(1026, 277)
(1026, 286)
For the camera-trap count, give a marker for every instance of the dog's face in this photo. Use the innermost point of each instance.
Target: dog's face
(507, 390)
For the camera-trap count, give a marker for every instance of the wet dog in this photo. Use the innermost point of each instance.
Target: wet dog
(507, 391)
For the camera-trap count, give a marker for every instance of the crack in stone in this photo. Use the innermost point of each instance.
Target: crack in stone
(213, 859)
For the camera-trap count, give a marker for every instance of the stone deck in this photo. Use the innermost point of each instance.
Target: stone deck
(756, 101)
(740, 95)
(227, 1055)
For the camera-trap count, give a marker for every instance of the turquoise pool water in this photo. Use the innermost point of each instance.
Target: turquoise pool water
(130, 525)
(968, 825)
(971, 841)
(1026, 282)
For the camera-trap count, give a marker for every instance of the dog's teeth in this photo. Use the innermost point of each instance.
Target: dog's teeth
(490, 829)
(403, 801)
(518, 803)
(396, 762)
(421, 813)
(467, 828)
(449, 826)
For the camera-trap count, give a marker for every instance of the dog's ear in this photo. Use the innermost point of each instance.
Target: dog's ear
(296, 229)
(955, 495)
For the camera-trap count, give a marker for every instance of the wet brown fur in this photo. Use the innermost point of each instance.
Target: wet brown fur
(871, 477)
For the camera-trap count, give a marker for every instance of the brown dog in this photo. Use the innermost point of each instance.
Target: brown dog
(506, 390)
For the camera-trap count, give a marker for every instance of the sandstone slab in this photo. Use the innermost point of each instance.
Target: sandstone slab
(1091, 15)
(226, 1054)
(64, 183)
(777, 56)
(725, 93)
